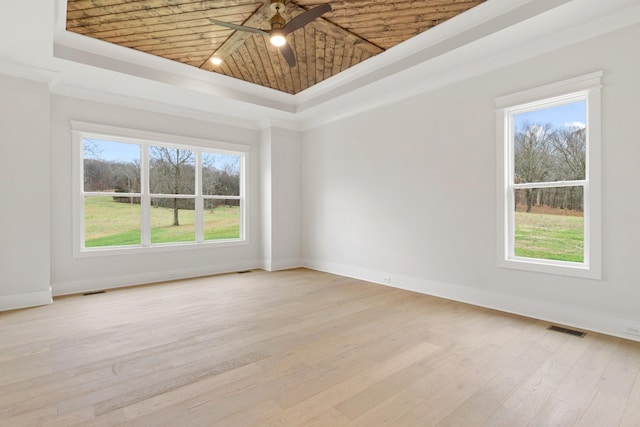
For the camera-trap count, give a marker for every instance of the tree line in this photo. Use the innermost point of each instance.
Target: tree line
(543, 153)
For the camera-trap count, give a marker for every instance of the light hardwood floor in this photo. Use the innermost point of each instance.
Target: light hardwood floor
(303, 348)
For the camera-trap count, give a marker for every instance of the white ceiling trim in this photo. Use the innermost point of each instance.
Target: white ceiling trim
(28, 72)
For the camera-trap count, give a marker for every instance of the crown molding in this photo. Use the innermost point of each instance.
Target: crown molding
(490, 36)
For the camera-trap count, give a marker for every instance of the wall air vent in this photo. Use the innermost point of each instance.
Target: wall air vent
(567, 331)
(93, 293)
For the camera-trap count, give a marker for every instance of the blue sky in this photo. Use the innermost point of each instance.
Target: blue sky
(125, 152)
(113, 151)
(558, 116)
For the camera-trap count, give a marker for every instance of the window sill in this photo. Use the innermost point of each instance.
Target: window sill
(158, 248)
(559, 268)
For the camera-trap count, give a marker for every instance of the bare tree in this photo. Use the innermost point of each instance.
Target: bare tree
(545, 154)
(533, 157)
(570, 147)
(570, 151)
(90, 148)
(220, 176)
(169, 174)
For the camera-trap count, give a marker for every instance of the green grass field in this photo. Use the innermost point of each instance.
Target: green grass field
(552, 237)
(108, 223)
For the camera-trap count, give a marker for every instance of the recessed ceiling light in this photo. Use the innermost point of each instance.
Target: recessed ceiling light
(216, 60)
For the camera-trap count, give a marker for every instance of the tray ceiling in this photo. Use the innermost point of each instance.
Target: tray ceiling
(180, 30)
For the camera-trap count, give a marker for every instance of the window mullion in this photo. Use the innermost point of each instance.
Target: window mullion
(587, 223)
(145, 198)
(243, 197)
(550, 184)
(199, 202)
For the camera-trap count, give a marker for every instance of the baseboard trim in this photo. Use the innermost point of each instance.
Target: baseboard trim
(24, 300)
(113, 282)
(285, 264)
(541, 310)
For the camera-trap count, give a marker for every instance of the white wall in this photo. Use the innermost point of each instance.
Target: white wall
(265, 198)
(286, 199)
(69, 274)
(407, 191)
(24, 206)
(281, 198)
(36, 250)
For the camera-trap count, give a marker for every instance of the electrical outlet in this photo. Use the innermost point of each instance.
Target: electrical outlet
(633, 330)
(387, 280)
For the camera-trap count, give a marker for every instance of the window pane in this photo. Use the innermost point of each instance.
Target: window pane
(550, 144)
(111, 166)
(221, 219)
(111, 221)
(171, 170)
(220, 174)
(549, 223)
(172, 220)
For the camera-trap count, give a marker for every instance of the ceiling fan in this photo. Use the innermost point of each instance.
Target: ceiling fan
(281, 28)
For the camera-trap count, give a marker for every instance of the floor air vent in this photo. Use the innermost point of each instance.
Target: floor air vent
(567, 331)
(93, 293)
(243, 271)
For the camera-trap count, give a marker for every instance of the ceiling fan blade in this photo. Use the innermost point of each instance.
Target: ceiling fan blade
(238, 27)
(288, 54)
(305, 17)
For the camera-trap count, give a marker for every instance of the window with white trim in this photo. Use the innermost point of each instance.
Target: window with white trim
(138, 190)
(549, 178)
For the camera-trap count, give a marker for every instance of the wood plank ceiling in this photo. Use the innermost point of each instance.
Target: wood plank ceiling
(180, 30)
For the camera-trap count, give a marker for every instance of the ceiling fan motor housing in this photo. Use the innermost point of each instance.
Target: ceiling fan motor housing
(277, 21)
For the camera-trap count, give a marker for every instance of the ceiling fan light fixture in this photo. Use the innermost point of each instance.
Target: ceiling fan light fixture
(278, 39)
(280, 28)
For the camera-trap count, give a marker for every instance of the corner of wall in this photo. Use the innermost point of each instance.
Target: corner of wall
(24, 300)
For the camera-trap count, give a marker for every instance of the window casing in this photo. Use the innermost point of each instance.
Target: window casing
(139, 191)
(571, 182)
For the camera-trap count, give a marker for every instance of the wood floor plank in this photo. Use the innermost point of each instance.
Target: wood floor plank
(401, 404)
(477, 409)
(252, 416)
(390, 412)
(604, 409)
(313, 409)
(325, 376)
(524, 403)
(302, 348)
(631, 415)
(445, 401)
(361, 402)
(556, 412)
(215, 386)
(157, 388)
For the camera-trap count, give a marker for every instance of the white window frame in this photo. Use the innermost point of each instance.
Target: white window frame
(81, 130)
(586, 87)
